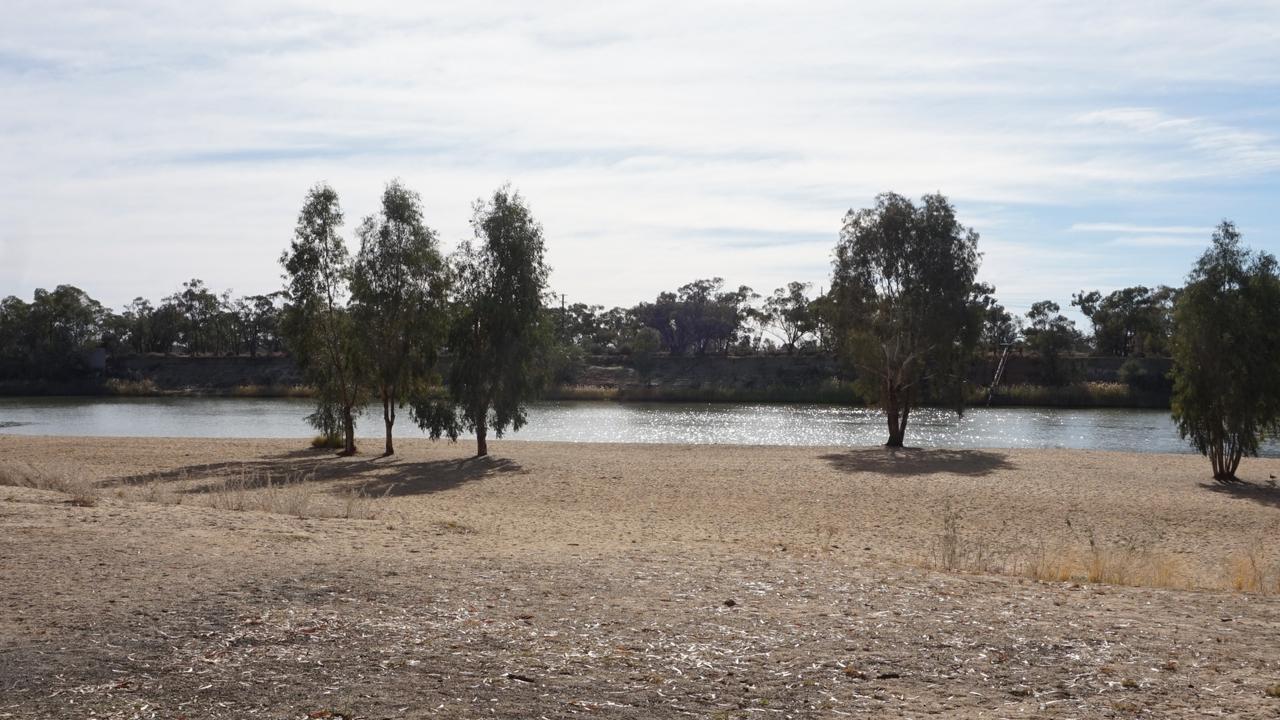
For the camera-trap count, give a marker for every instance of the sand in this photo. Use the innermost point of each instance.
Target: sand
(629, 581)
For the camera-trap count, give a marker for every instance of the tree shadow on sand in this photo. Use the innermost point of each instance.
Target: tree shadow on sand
(381, 475)
(918, 461)
(1261, 494)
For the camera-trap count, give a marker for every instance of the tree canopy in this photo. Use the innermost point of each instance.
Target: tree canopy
(1130, 321)
(398, 287)
(1226, 372)
(318, 325)
(499, 334)
(905, 298)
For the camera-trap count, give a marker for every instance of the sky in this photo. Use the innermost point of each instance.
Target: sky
(1093, 145)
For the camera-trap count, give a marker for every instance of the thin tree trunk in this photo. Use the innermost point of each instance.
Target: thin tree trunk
(902, 425)
(482, 445)
(389, 417)
(348, 432)
(893, 414)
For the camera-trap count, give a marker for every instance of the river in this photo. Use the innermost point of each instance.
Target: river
(702, 423)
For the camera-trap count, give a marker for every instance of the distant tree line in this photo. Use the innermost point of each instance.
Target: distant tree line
(47, 338)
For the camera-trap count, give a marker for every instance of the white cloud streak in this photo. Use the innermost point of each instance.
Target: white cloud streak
(179, 139)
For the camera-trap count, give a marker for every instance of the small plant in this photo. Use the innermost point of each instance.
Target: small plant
(952, 552)
(1272, 691)
(131, 388)
(358, 504)
(826, 536)
(326, 442)
(1247, 573)
(253, 492)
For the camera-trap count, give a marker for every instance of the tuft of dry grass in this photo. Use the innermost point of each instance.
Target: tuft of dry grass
(954, 552)
(260, 492)
(1123, 563)
(1107, 565)
(326, 442)
(358, 504)
(81, 490)
(1247, 572)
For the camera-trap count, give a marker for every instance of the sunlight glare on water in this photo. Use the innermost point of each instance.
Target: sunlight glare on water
(705, 423)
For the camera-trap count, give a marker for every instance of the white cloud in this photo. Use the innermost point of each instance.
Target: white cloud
(149, 142)
(1216, 148)
(1158, 241)
(1129, 228)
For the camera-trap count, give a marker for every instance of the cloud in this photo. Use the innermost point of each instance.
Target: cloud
(1128, 228)
(147, 142)
(1227, 149)
(1157, 241)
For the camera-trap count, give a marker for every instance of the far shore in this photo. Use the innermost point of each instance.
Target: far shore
(1082, 395)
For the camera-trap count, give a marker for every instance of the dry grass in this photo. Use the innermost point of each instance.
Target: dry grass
(1248, 572)
(131, 388)
(1128, 562)
(358, 504)
(81, 490)
(954, 551)
(261, 492)
(273, 391)
(1106, 565)
(296, 494)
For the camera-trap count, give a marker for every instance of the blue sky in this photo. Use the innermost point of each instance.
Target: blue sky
(1092, 144)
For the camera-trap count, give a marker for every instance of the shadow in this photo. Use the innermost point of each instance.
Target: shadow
(1261, 494)
(436, 475)
(377, 475)
(917, 461)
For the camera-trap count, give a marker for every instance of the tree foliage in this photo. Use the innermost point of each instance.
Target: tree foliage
(499, 335)
(398, 287)
(1051, 335)
(789, 313)
(1131, 321)
(47, 338)
(700, 317)
(1226, 372)
(905, 298)
(319, 327)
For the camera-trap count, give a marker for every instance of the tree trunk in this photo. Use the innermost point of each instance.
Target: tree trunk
(389, 418)
(348, 432)
(389, 415)
(482, 446)
(896, 416)
(1225, 460)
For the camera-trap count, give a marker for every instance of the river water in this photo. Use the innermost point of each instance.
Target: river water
(703, 423)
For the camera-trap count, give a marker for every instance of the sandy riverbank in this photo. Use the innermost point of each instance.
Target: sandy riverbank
(601, 573)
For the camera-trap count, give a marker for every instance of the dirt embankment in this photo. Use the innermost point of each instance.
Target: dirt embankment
(624, 581)
(768, 378)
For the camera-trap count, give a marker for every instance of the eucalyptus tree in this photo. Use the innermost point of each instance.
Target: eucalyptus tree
(317, 323)
(499, 336)
(1051, 335)
(1226, 371)
(789, 312)
(904, 296)
(398, 291)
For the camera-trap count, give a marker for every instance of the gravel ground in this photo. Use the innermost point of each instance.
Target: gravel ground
(617, 581)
